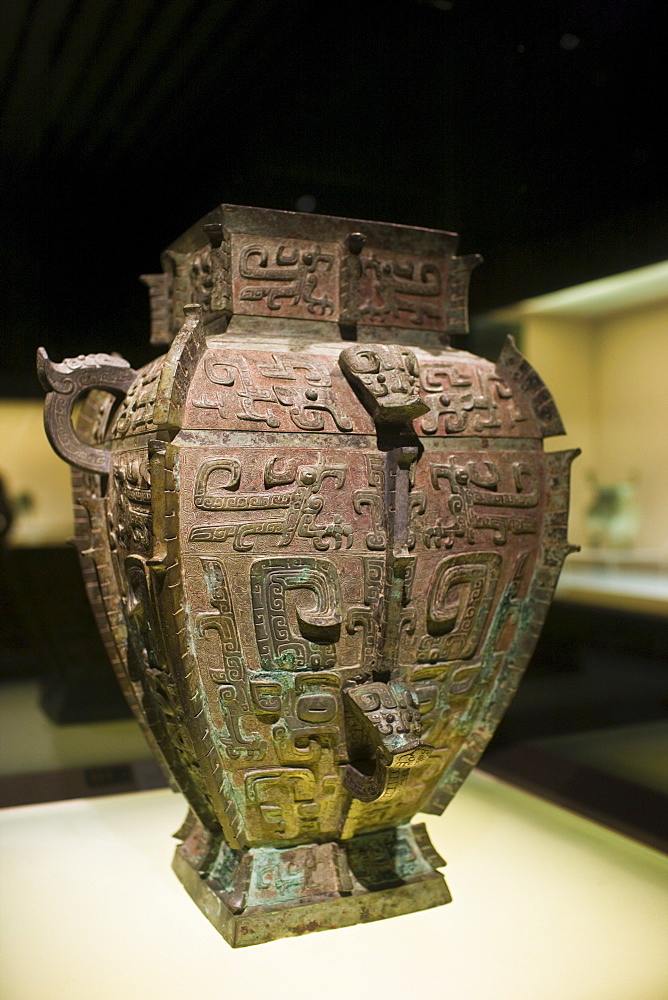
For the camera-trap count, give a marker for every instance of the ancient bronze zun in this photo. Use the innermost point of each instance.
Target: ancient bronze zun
(320, 544)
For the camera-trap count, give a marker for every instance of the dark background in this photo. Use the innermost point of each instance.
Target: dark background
(533, 128)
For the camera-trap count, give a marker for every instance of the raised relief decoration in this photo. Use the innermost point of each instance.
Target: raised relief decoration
(201, 277)
(465, 397)
(222, 622)
(284, 277)
(472, 485)
(290, 803)
(135, 415)
(372, 501)
(460, 598)
(227, 669)
(301, 505)
(402, 290)
(308, 642)
(387, 378)
(366, 619)
(256, 402)
(134, 519)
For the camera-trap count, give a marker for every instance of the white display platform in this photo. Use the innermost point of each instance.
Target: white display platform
(616, 587)
(547, 906)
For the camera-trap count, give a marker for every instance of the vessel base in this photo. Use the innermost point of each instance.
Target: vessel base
(265, 893)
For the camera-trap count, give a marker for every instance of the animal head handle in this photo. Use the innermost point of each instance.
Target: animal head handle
(64, 384)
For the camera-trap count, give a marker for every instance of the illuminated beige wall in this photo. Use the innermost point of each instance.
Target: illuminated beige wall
(610, 381)
(564, 354)
(29, 467)
(632, 412)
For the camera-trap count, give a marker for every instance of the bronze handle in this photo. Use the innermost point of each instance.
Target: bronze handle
(64, 384)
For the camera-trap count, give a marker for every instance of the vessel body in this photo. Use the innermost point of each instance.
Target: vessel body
(320, 544)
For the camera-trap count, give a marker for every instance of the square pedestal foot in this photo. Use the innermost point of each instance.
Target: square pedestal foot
(266, 893)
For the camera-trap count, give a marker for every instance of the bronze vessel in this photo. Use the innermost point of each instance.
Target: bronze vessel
(320, 544)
